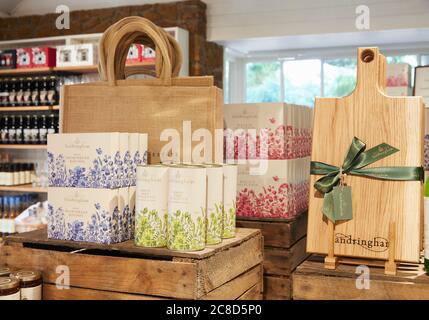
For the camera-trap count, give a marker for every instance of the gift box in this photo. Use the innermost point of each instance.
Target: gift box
(86, 214)
(148, 55)
(65, 56)
(272, 131)
(7, 59)
(43, 57)
(273, 188)
(135, 53)
(398, 75)
(23, 58)
(85, 54)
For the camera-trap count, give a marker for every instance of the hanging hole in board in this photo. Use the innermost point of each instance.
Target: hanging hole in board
(367, 56)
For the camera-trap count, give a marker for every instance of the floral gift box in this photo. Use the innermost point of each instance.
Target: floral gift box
(94, 160)
(274, 131)
(88, 215)
(280, 190)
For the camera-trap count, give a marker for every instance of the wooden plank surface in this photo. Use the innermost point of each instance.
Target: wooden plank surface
(282, 262)
(39, 237)
(312, 281)
(253, 293)
(278, 233)
(277, 288)
(235, 288)
(228, 264)
(370, 115)
(128, 275)
(51, 292)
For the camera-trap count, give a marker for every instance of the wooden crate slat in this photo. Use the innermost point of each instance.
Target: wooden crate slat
(253, 293)
(143, 276)
(277, 288)
(50, 292)
(283, 261)
(228, 264)
(312, 281)
(39, 237)
(234, 289)
(278, 233)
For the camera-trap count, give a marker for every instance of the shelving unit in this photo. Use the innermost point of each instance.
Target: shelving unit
(38, 108)
(23, 188)
(23, 146)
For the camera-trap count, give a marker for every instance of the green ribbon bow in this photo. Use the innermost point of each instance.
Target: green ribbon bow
(355, 161)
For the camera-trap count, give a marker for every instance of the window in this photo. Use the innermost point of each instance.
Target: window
(301, 81)
(263, 82)
(339, 77)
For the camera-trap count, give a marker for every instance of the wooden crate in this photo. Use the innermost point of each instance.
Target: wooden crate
(312, 281)
(284, 250)
(230, 270)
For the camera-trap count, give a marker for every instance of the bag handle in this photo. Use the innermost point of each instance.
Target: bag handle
(115, 42)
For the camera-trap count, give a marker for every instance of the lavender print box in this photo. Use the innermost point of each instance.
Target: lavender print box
(92, 160)
(84, 214)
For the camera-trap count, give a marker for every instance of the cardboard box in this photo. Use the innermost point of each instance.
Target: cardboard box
(85, 214)
(280, 190)
(23, 58)
(43, 57)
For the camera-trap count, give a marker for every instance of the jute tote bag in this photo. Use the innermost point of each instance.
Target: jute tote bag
(168, 108)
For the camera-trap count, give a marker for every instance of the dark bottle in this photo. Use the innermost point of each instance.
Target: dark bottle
(52, 91)
(43, 130)
(43, 93)
(2, 92)
(35, 95)
(2, 125)
(5, 95)
(5, 130)
(12, 130)
(20, 92)
(27, 92)
(34, 130)
(19, 129)
(12, 93)
(57, 123)
(27, 129)
(51, 124)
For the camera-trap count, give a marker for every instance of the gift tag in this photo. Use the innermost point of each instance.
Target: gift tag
(342, 202)
(328, 207)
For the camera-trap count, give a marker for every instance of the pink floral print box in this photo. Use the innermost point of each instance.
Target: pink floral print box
(274, 131)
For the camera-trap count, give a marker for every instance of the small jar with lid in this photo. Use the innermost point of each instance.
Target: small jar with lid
(31, 284)
(5, 271)
(9, 289)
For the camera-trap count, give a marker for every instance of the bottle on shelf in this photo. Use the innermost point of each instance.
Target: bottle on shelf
(27, 129)
(34, 130)
(4, 131)
(35, 95)
(52, 97)
(19, 129)
(51, 124)
(43, 130)
(20, 92)
(12, 93)
(27, 92)
(3, 93)
(12, 130)
(43, 93)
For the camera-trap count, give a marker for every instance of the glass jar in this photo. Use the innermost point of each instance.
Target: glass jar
(31, 284)
(9, 288)
(5, 271)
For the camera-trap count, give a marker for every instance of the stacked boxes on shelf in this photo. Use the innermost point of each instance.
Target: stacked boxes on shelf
(92, 180)
(398, 81)
(271, 143)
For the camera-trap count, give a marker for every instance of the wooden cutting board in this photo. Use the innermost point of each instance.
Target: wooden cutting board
(374, 118)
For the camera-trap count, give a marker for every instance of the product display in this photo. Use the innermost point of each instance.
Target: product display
(7, 59)
(95, 160)
(43, 57)
(10, 208)
(273, 143)
(12, 174)
(398, 75)
(30, 283)
(9, 289)
(77, 55)
(364, 168)
(186, 208)
(88, 214)
(151, 206)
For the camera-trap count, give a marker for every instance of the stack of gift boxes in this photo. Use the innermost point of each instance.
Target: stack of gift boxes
(398, 80)
(271, 142)
(92, 178)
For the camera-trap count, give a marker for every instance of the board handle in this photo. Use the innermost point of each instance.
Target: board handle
(370, 70)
